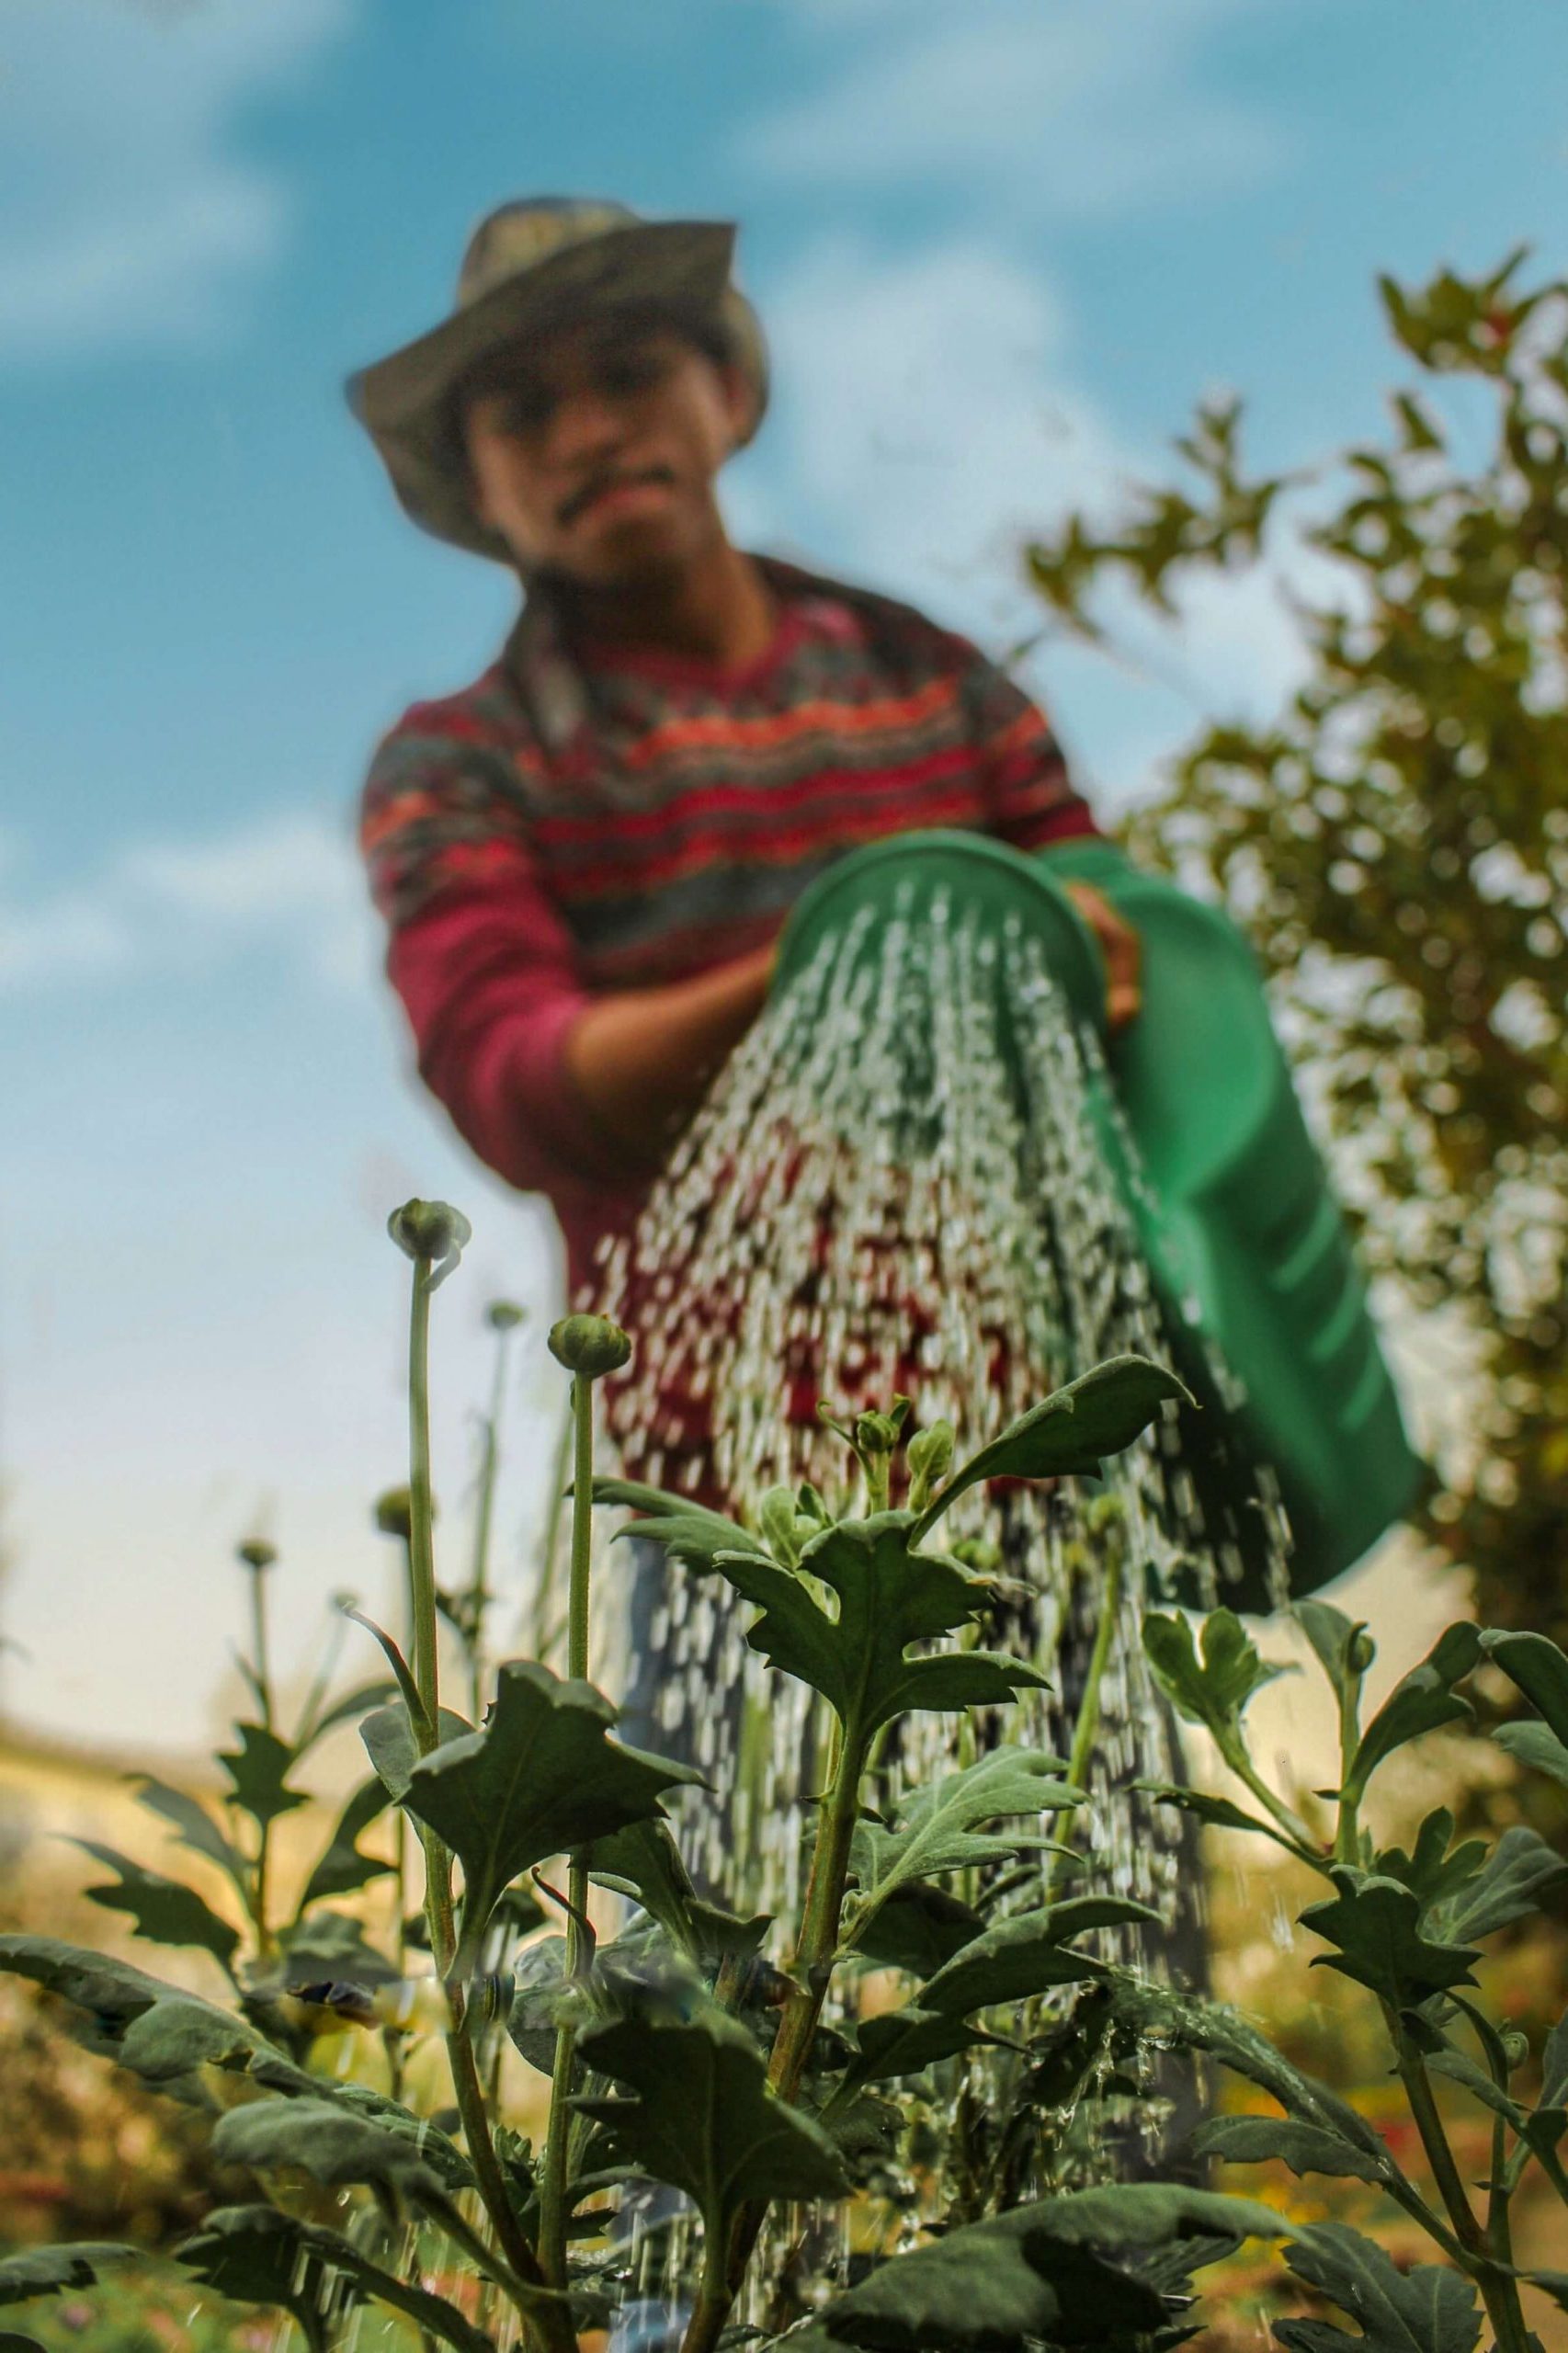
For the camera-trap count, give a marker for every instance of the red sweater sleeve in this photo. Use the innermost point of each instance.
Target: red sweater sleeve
(480, 953)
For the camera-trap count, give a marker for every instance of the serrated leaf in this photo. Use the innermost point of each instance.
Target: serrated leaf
(907, 2041)
(175, 2039)
(1426, 2310)
(889, 1598)
(1433, 1871)
(164, 1911)
(688, 1531)
(645, 1857)
(49, 2270)
(1508, 1886)
(1211, 1688)
(331, 1945)
(1025, 1954)
(1157, 2014)
(258, 1769)
(1043, 2271)
(1540, 1670)
(1305, 2148)
(193, 1826)
(1217, 1811)
(917, 1928)
(323, 2139)
(542, 1777)
(1069, 1433)
(702, 2118)
(1375, 1924)
(108, 1994)
(257, 2254)
(341, 1869)
(1420, 1702)
(1536, 1746)
(937, 1826)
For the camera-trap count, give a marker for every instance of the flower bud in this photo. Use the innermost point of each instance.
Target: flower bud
(589, 1345)
(1362, 1650)
(394, 1513)
(1515, 2046)
(504, 1315)
(930, 1456)
(430, 1230)
(256, 1553)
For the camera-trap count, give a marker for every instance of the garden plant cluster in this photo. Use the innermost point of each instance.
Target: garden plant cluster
(733, 2061)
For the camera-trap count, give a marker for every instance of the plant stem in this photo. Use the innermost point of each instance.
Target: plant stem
(553, 2195)
(1086, 1729)
(714, 2297)
(1435, 2141)
(479, 1588)
(258, 1643)
(539, 1641)
(421, 1544)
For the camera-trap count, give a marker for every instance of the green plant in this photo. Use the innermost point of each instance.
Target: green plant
(736, 2061)
(1396, 841)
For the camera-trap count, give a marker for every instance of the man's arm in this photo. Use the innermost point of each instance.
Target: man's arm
(641, 1060)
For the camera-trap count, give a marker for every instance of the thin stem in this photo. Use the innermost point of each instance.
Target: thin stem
(553, 2197)
(714, 2297)
(543, 1634)
(1296, 1830)
(258, 1906)
(479, 1587)
(1348, 1831)
(1435, 2141)
(1086, 1729)
(258, 1645)
(421, 1544)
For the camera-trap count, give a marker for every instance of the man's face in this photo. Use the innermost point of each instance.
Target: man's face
(594, 455)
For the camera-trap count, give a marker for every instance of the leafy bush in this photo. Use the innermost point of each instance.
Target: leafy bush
(732, 2062)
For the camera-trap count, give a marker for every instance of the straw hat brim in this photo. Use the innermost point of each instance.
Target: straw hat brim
(404, 400)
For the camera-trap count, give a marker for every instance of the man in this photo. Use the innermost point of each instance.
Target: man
(585, 857)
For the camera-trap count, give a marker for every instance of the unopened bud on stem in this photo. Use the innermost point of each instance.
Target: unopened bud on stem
(432, 1229)
(256, 1553)
(589, 1345)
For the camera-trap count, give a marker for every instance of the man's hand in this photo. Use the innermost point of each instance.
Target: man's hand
(1120, 947)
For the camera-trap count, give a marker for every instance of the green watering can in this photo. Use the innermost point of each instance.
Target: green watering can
(1245, 1240)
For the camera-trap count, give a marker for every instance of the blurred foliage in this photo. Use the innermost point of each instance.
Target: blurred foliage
(1395, 840)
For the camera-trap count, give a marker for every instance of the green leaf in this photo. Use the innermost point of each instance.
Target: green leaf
(175, 2039)
(164, 1911)
(1539, 1668)
(687, 1531)
(702, 2118)
(1070, 1432)
(1153, 2013)
(1536, 1746)
(49, 2270)
(330, 1945)
(888, 1597)
(258, 1769)
(1041, 2271)
(1213, 1690)
(1305, 2148)
(1433, 1871)
(1375, 1923)
(1509, 1885)
(907, 2041)
(108, 1994)
(194, 1827)
(1342, 1645)
(643, 1859)
(916, 1928)
(256, 2255)
(1420, 1702)
(541, 1778)
(1025, 1954)
(388, 1735)
(1217, 1811)
(937, 1825)
(341, 1868)
(321, 2138)
(1426, 2310)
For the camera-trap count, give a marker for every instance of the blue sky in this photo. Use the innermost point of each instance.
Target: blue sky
(1000, 245)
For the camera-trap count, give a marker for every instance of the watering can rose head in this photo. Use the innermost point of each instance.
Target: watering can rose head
(429, 1230)
(589, 1345)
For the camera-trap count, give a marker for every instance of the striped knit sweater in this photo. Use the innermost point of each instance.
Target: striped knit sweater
(573, 823)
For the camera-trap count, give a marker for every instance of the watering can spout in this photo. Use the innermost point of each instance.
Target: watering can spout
(1199, 1124)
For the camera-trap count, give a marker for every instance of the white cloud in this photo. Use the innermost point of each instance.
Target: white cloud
(1070, 109)
(292, 880)
(127, 211)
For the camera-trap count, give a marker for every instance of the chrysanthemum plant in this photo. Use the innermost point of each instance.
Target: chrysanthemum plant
(728, 2059)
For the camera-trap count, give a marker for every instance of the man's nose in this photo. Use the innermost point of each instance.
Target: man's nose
(586, 428)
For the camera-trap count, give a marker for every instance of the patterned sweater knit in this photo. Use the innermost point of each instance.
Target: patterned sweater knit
(581, 820)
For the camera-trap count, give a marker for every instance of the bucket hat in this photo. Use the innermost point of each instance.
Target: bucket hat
(530, 267)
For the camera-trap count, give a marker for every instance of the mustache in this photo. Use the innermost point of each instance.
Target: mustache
(597, 484)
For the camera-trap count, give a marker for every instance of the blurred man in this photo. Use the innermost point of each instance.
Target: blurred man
(585, 857)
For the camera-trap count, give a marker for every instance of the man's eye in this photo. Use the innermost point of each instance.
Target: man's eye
(525, 411)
